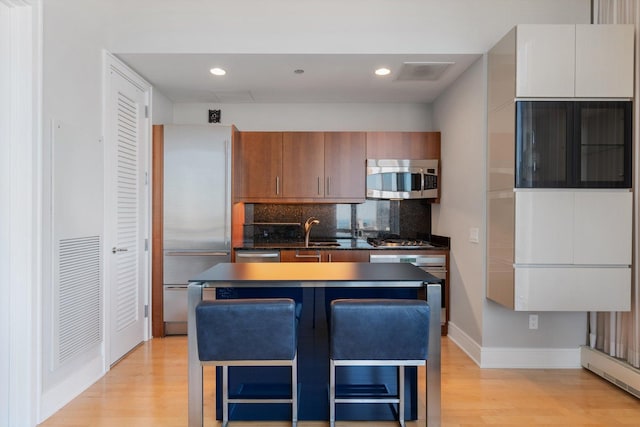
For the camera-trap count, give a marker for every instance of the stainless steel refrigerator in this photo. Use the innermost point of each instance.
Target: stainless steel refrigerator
(197, 211)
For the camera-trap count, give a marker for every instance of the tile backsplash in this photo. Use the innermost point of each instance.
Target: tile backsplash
(284, 222)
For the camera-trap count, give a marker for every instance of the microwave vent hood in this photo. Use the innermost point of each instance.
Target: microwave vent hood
(397, 179)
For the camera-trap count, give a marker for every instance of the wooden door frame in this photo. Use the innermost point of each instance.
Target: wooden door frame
(157, 245)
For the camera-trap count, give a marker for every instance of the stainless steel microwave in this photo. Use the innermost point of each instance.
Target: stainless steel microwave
(402, 179)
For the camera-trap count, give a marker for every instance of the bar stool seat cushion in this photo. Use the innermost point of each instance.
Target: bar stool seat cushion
(379, 329)
(247, 329)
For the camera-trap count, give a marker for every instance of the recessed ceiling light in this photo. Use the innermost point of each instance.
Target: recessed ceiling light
(217, 71)
(383, 71)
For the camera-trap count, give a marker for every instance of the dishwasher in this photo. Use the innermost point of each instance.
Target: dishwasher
(261, 255)
(250, 255)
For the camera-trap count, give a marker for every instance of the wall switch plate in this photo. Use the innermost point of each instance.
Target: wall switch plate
(474, 235)
(533, 321)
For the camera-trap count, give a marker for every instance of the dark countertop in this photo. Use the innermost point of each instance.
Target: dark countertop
(340, 244)
(341, 274)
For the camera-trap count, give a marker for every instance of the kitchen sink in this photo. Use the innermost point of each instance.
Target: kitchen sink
(324, 244)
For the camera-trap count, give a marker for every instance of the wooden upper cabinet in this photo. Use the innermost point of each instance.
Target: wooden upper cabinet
(303, 159)
(344, 165)
(257, 160)
(403, 145)
(298, 167)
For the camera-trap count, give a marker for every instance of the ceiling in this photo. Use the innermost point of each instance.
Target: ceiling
(327, 78)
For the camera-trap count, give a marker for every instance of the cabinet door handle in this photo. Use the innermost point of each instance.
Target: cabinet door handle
(277, 185)
(329, 257)
(318, 186)
(328, 185)
(316, 255)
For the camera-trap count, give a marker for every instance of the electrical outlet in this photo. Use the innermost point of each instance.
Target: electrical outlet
(533, 321)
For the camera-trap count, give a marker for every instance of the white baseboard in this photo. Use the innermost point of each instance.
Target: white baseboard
(515, 358)
(613, 370)
(465, 342)
(55, 398)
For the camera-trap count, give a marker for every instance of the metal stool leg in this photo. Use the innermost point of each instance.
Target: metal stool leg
(401, 395)
(294, 391)
(225, 396)
(332, 394)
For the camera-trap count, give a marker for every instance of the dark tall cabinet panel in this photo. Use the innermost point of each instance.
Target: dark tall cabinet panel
(543, 141)
(602, 155)
(573, 144)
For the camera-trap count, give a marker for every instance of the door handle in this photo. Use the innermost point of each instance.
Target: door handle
(114, 250)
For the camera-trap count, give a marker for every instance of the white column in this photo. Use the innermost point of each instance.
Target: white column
(20, 217)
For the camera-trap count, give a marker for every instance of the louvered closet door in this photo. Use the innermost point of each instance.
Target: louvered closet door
(126, 210)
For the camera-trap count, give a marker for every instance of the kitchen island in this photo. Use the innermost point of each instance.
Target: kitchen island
(363, 278)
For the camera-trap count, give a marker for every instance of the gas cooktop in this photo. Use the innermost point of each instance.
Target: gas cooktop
(399, 243)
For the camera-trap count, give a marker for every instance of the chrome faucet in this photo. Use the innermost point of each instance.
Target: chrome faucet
(310, 222)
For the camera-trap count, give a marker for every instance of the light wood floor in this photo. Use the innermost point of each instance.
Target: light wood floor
(149, 388)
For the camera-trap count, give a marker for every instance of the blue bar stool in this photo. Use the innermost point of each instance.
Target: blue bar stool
(377, 332)
(249, 332)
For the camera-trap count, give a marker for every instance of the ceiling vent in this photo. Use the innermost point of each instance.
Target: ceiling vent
(422, 71)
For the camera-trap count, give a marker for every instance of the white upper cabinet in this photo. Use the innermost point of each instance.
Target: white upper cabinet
(602, 224)
(560, 288)
(604, 61)
(557, 96)
(574, 61)
(545, 62)
(544, 227)
(565, 227)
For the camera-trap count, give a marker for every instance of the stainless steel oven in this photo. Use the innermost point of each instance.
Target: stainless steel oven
(402, 179)
(435, 264)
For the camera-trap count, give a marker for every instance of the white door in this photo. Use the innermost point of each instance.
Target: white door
(126, 259)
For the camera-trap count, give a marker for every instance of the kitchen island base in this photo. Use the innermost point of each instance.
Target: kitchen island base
(313, 366)
(312, 280)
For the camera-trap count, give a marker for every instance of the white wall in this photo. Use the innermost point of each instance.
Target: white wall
(73, 163)
(76, 31)
(311, 117)
(459, 114)
(161, 109)
(325, 26)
